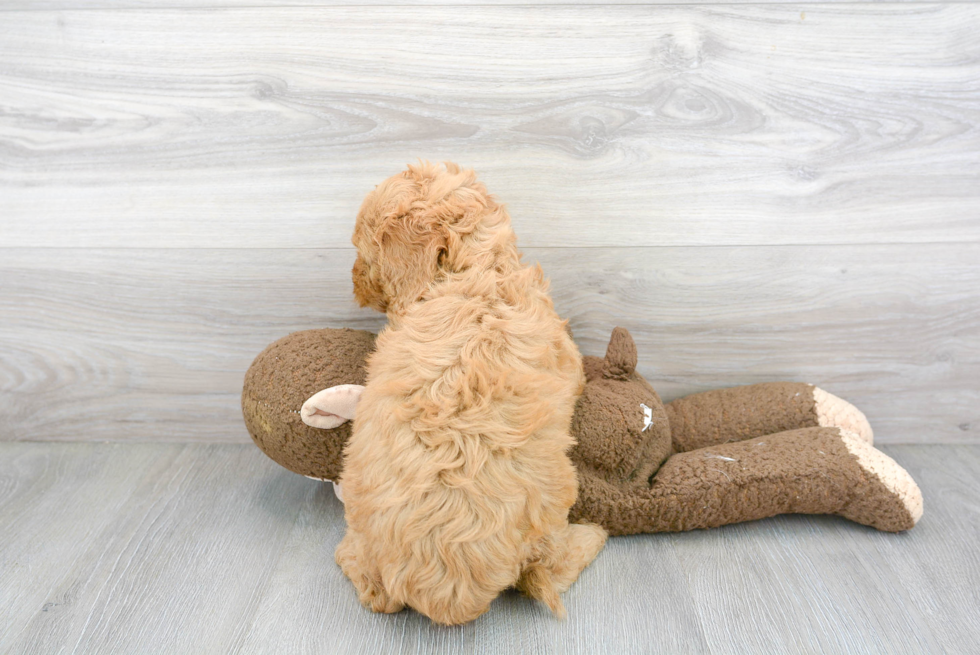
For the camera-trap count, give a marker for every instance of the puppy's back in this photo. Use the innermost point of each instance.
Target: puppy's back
(457, 463)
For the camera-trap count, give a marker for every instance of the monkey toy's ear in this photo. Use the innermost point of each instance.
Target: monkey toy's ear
(620, 355)
(331, 407)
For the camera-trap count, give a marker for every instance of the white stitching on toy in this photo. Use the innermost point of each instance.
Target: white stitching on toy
(647, 417)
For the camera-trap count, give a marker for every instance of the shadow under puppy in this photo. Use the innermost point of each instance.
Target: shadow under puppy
(457, 482)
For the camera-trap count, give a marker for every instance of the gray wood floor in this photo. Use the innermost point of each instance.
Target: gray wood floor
(192, 548)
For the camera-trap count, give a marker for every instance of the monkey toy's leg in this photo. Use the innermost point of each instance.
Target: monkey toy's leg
(805, 471)
(739, 413)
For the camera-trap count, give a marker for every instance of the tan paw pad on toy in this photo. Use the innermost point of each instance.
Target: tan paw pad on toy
(836, 412)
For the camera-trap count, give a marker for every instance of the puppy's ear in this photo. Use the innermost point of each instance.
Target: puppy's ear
(411, 248)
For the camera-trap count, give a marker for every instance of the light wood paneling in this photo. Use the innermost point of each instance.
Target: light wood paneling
(758, 192)
(214, 548)
(615, 126)
(146, 345)
(67, 5)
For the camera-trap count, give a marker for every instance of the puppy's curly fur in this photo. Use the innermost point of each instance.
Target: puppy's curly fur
(456, 479)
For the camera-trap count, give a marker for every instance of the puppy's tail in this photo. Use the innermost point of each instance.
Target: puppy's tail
(537, 582)
(563, 556)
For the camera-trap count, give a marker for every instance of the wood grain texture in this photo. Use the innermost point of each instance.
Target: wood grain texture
(43, 494)
(815, 584)
(66, 5)
(600, 126)
(149, 345)
(307, 587)
(174, 540)
(213, 548)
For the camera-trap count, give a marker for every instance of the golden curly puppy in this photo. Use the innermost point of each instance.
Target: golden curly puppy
(456, 480)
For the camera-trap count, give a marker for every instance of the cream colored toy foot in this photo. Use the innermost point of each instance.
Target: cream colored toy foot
(331, 407)
(834, 412)
(891, 496)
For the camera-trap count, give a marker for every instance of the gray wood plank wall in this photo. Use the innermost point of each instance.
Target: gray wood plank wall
(757, 192)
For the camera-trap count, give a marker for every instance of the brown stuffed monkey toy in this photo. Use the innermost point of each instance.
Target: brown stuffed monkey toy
(702, 461)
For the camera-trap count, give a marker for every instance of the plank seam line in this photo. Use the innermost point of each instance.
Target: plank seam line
(525, 5)
(523, 248)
